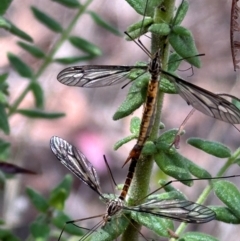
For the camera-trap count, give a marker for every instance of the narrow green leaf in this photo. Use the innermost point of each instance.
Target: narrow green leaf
(159, 225)
(4, 150)
(6, 24)
(46, 20)
(40, 114)
(22, 68)
(135, 97)
(195, 236)
(123, 141)
(174, 62)
(85, 46)
(141, 8)
(4, 125)
(73, 60)
(138, 29)
(3, 78)
(173, 164)
(182, 41)
(37, 200)
(149, 149)
(61, 192)
(60, 221)
(33, 50)
(229, 194)
(181, 12)
(170, 189)
(161, 29)
(57, 199)
(214, 148)
(171, 195)
(167, 138)
(40, 230)
(98, 20)
(4, 5)
(225, 215)
(38, 94)
(68, 3)
(135, 125)
(111, 230)
(196, 170)
(167, 86)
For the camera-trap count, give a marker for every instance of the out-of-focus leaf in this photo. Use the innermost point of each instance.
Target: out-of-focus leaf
(73, 60)
(68, 3)
(46, 20)
(40, 114)
(4, 149)
(14, 169)
(40, 230)
(6, 24)
(61, 192)
(144, 7)
(33, 50)
(214, 148)
(195, 236)
(85, 46)
(22, 68)
(38, 94)
(6, 235)
(60, 221)
(37, 200)
(4, 125)
(4, 5)
(98, 20)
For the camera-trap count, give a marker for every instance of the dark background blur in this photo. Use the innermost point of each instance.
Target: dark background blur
(88, 123)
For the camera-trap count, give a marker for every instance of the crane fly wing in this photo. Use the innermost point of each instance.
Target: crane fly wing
(208, 103)
(76, 162)
(180, 210)
(94, 75)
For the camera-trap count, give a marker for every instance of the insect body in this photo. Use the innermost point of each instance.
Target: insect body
(176, 209)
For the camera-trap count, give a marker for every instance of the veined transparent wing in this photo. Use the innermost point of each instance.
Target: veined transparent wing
(208, 103)
(91, 76)
(179, 210)
(76, 162)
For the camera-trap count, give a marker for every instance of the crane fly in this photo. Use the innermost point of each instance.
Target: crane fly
(175, 209)
(208, 103)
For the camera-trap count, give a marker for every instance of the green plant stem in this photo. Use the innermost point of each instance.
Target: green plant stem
(49, 59)
(208, 189)
(140, 184)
